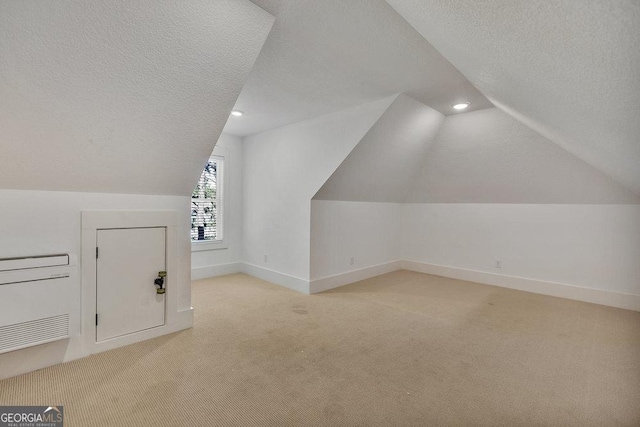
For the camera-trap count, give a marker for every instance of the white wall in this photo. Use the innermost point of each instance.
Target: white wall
(226, 259)
(582, 251)
(283, 169)
(367, 231)
(592, 246)
(45, 222)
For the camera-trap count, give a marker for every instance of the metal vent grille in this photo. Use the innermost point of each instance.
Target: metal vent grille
(33, 332)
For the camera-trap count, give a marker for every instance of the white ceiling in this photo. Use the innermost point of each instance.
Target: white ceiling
(489, 157)
(119, 96)
(414, 154)
(325, 56)
(384, 163)
(130, 97)
(568, 69)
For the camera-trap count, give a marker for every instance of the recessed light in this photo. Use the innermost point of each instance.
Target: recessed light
(461, 106)
(237, 113)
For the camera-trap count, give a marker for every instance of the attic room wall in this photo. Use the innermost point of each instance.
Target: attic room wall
(493, 189)
(355, 216)
(489, 189)
(590, 246)
(351, 241)
(283, 169)
(226, 260)
(46, 222)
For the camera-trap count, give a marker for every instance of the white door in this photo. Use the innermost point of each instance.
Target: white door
(128, 262)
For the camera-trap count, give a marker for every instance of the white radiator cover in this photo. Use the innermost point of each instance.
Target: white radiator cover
(36, 300)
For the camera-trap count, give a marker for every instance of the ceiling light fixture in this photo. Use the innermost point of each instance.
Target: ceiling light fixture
(461, 106)
(237, 113)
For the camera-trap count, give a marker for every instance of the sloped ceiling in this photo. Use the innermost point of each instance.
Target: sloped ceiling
(119, 96)
(489, 157)
(381, 167)
(413, 154)
(326, 56)
(568, 69)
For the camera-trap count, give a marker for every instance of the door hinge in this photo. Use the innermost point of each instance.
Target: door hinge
(96, 252)
(96, 319)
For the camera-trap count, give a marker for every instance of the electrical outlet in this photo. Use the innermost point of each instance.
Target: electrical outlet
(352, 260)
(266, 258)
(498, 264)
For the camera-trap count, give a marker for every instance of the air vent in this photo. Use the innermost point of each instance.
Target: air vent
(33, 332)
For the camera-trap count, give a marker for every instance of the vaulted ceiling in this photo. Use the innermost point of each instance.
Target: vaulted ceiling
(413, 154)
(119, 96)
(131, 96)
(489, 157)
(568, 69)
(563, 74)
(382, 165)
(329, 55)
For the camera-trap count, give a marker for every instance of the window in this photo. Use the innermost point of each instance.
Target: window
(206, 204)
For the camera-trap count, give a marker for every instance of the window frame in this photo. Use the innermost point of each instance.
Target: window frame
(208, 245)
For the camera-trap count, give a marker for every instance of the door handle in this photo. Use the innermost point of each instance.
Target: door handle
(159, 282)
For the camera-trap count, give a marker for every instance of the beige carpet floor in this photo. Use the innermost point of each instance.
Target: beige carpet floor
(400, 349)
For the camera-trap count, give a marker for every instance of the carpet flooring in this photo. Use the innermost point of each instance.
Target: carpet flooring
(403, 348)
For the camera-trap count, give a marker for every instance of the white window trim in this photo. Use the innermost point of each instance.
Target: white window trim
(219, 153)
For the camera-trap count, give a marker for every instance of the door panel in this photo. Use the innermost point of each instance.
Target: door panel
(129, 260)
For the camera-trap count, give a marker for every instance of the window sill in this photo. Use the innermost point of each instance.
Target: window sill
(208, 246)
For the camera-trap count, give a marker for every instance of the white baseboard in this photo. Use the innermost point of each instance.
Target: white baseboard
(596, 296)
(325, 283)
(215, 270)
(562, 290)
(185, 319)
(291, 282)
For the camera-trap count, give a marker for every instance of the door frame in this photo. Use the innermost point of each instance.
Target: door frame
(92, 221)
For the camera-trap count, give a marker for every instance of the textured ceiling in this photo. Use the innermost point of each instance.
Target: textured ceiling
(119, 96)
(384, 163)
(568, 69)
(325, 56)
(489, 157)
(413, 154)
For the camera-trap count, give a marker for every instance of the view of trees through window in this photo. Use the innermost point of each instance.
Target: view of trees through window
(205, 204)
